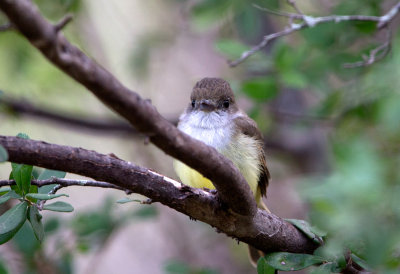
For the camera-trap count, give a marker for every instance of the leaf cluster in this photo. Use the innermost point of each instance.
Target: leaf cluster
(29, 199)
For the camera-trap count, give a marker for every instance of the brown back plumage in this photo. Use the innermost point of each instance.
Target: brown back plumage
(249, 127)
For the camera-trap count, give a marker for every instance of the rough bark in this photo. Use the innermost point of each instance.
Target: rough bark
(264, 231)
(232, 187)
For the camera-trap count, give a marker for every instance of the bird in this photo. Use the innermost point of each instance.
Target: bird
(214, 118)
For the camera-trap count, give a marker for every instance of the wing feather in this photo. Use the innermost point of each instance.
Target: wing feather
(249, 128)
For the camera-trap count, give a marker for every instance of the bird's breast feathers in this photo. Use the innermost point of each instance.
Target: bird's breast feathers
(212, 128)
(218, 131)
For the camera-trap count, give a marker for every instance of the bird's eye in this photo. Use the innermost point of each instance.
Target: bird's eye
(193, 103)
(226, 104)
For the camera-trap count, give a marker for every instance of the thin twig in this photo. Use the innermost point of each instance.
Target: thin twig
(61, 183)
(374, 55)
(311, 21)
(67, 183)
(294, 5)
(389, 16)
(63, 22)
(265, 41)
(279, 13)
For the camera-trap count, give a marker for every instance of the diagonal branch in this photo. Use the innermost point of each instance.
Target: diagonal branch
(264, 231)
(311, 21)
(232, 188)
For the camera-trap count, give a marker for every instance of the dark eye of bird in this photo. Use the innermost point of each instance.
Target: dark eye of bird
(226, 104)
(193, 103)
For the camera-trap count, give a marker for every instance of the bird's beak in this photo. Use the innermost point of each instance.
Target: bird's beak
(207, 105)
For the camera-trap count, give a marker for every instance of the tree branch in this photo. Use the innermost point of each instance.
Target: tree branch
(105, 126)
(67, 183)
(311, 21)
(264, 231)
(63, 22)
(374, 55)
(232, 187)
(24, 107)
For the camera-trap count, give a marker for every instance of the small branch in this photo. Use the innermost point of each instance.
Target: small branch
(106, 126)
(63, 22)
(299, 12)
(374, 55)
(265, 41)
(311, 21)
(389, 16)
(61, 182)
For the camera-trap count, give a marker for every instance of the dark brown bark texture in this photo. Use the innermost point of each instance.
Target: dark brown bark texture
(264, 231)
(231, 186)
(232, 210)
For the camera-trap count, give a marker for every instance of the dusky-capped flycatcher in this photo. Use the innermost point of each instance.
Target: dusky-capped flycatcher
(214, 118)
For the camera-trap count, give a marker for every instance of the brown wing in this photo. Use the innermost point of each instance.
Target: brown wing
(249, 127)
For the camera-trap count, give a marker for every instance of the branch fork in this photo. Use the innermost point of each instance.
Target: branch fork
(311, 21)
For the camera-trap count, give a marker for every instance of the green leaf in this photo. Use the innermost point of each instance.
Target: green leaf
(33, 189)
(311, 232)
(326, 268)
(4, 190)
(46, 189)
(360, 262)
(11, 221)
(260, 89)
(40, 196)
(22, 175)
(14, 186)
(59, 207)
(127, 200)
(263, 267)
(9, 195)
(35, 219)
(48, 174)
(3, 154)
(291, 261)
(23, 135)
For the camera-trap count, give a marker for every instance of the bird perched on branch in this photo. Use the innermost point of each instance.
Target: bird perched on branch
(214, 118)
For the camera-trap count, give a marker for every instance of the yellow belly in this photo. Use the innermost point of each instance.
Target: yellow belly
(242, 151)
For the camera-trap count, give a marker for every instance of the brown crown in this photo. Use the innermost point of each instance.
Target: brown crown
(212, 89)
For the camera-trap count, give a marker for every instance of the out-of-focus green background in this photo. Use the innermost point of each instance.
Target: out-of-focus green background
(332, 134)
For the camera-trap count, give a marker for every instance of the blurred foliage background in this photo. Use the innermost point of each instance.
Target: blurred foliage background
(332, 134)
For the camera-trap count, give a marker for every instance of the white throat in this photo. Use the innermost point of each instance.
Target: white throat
(213, 128)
